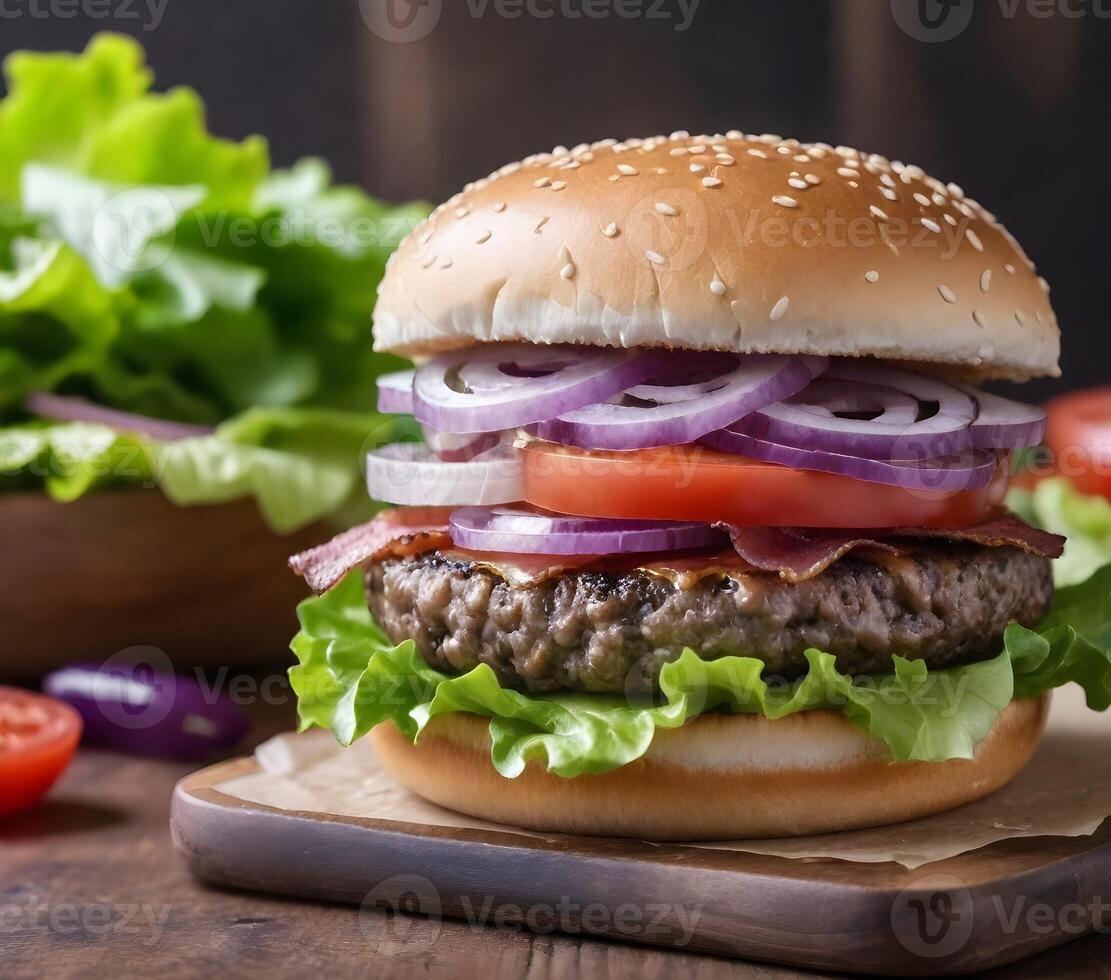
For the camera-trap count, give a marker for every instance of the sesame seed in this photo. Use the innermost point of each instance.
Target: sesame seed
(922, 199)
(499, 207)
(1010, 268)
(783, 150)
(717, 287)
(542, 182)
(679, 151)
(1039, 316)
(711, 182)
(955, 190)
(1020, 317)
(812, 179)
(614, 177)
(628, 169)
(664, 208)
(483, 238)
(697, 168)
(558, 185)
(697, 148)
(947, 294)
(801, 158)
(610, 230)
(735, 134)
(889, 193)
(798, 182)
(445, 263)
(978, 316)
(725, 159)
(932, 225)
(846, 172)
(853, 183)
(428, 262)
(680, 134)
(426, 237)
(463, 211)
(757, 153)
(784, 201)
(939, 199)
(568, 271)
(887, 179)
(1044, 283)
(985, 280)
(779, 309)
(654, 257)
(878, 212)
(974, 239)
(872, 276)
(540, 224)
(949, 219)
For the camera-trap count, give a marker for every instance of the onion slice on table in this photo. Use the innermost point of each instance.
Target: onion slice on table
(395, 392)
(654, 415)
(970, 470)
(65, 408)
(408, 473)
(1005, 424)
(503, 386)
(518, 531)
(825, 416)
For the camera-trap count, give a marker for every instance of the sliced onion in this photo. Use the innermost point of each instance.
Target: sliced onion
(1005, 424)
(503, 386)
(452, 447)
(526, 532)
(407, 473)
(696, 374)
(811, 421)
(395, 392)
(750, 382)
(65, 408)
(970, 470)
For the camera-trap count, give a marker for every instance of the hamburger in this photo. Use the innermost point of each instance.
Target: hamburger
(706, 537)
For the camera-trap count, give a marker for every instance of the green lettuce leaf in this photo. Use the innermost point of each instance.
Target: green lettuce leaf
(350, 678)
(153, 268)
(1056, 505)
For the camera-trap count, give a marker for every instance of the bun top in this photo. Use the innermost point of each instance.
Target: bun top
(727, 242)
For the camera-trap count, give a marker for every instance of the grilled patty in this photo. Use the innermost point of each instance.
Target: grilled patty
(613, 631)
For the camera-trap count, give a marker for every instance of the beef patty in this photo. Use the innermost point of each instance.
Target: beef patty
(613, 631)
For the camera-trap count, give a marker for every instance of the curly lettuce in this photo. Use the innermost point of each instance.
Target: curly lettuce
(153, 268)
(350, 678)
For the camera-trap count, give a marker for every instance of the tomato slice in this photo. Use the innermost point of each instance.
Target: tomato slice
(695, 483)
(38, 736)
(1079, 438)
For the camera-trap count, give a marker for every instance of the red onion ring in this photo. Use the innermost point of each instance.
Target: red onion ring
(503, 386)
(967, 471)
(451, 447)
(1005, 424)
(408, 473)
(527, 532)
(807, 422)
(753, 381)
(395, 392)
(65, 408)
(696, 374)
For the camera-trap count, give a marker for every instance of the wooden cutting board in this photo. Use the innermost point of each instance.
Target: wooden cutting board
(985, 908)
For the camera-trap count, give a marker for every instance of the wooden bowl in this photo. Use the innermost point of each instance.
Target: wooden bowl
(206, 585)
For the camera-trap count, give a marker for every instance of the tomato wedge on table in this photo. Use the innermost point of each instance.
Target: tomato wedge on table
(38, 736)
(1079, 437)
(695, 483)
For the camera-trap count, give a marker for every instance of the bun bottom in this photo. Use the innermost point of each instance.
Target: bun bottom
(721, 777)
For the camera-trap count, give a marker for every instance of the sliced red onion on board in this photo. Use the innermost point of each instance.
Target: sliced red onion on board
(970, 470)
(750, 382)
(503, 386)
(1005, 424)
(147, 709)
(525, 532)
(407, 473)
(395, 392)
(832, 415)
(65, 408)
(454, 447)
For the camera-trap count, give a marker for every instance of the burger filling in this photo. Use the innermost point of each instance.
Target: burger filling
(590, 544)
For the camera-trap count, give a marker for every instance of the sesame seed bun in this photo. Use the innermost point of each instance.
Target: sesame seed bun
(719, 777)
(726, 242)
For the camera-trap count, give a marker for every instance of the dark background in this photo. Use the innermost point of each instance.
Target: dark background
(1014, 108)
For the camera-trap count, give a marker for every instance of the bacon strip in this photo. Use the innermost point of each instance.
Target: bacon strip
(798, 554)
(396, 533)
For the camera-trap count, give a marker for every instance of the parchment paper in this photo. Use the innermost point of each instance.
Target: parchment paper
(1065, 791)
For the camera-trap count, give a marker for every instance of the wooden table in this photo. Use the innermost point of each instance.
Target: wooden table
(90, 887)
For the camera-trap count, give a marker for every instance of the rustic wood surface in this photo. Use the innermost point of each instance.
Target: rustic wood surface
(84, 878)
